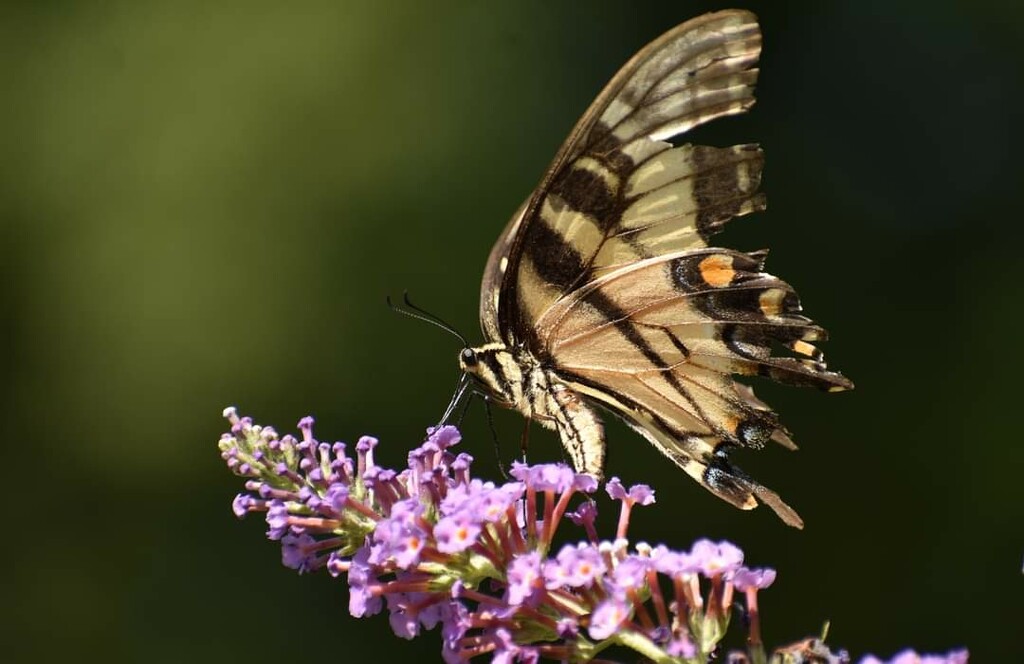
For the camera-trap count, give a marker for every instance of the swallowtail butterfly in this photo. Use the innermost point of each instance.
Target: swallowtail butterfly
(603, 289)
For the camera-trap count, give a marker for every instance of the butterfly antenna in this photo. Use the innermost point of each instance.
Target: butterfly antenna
(416, 312)
(460, 392)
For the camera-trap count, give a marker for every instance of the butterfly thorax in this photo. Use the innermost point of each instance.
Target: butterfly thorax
(515, 378)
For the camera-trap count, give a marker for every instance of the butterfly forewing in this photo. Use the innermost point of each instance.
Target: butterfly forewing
(692, 74)
(604, 283)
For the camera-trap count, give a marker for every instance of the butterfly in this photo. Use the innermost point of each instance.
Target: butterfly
(604, 291)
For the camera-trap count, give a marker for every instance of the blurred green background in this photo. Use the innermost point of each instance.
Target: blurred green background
(206, 204)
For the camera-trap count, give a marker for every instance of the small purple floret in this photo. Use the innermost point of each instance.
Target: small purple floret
(524, 578)
(637, 494)
(607, 618)
(760, 578)
(585, 514)
(575, 566)
(555, 477)
(361, 578)
(615, 489)
(277, 519)
(242, 503)
(405, 625)
(585, 483)
(336, 496)
(715, 559)
(672, 563)
(297, 552)
(911, 657)
(456, 533)
(444, 437)
(630, 573)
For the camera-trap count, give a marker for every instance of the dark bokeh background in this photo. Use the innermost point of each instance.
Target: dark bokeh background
(203, 206)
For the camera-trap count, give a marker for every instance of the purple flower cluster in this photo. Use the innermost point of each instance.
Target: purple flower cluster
(438, 547)
(911, 657)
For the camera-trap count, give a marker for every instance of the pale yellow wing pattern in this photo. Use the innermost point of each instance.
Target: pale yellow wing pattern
(617, 192)
(657, 342)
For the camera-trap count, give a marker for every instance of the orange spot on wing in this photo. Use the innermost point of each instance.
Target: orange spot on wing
(731, 424)
(716, 270)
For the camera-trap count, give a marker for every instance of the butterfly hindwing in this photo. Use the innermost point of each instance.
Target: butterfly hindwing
(657, 341)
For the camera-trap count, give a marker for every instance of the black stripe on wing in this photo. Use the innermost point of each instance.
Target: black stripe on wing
(554, 258)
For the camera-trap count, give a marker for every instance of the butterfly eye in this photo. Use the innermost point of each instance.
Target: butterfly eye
(468, 357)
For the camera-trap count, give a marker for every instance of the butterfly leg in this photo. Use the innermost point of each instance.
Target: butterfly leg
(465, 409)
(524, 439)
(494, 436)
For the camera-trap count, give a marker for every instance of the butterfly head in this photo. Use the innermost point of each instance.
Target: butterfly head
(495, 369)
(468, 359)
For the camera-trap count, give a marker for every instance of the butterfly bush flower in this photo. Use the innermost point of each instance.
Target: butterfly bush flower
(439, 548)
(911, 657)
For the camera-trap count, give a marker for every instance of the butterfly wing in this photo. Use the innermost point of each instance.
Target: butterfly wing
(580, 220)
(606, 277)
(657, 341)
